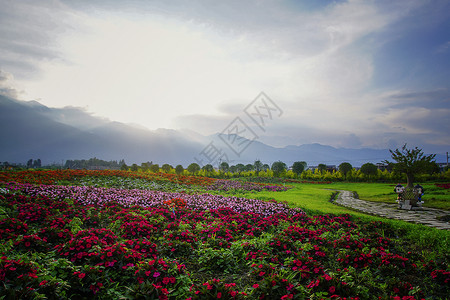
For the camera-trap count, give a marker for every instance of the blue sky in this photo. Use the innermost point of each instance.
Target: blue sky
(345, 73)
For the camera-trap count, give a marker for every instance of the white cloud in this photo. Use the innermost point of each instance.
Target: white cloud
(196, 65)
(7, 85)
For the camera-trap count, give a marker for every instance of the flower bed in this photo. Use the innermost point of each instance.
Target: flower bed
(135, 180)
(234, 185)
(54, 176)
(443, 185)
(100, 196)
(80, 242)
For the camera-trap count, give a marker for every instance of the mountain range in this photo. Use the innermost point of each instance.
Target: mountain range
(30, 130)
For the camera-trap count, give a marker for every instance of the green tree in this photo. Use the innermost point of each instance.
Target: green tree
(257, 165)
(298, 167)
(322, 168)
(278, 168)
(411, 162)
(154, 168)
(208, 168)
(345, 167)
(37, 163)
(179, 169)
(166, 168)
(134, 167)
(240, 168)
(193, 168)
(265, 167)
(30, 163)
(369, 169)
(146, 166)
(248, 167)
(224, 166)
(124, 167)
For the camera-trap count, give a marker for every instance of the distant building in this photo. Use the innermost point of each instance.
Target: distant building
(382, 166)
(329, 168)
(101, 168)
(442, 166)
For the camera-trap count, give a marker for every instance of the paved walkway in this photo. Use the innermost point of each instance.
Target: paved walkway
(427, 216)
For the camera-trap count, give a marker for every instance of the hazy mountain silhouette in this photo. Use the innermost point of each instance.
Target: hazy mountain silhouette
(32, 130)
(29, 129)
(313, 154)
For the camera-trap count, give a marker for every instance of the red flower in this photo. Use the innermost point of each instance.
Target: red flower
(332, 289)
(255, 286)
(219, 295)
(81, 275)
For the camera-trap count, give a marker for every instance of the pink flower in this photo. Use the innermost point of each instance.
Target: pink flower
(219, 295)
(81, 275)
(255, 286)
(156, 274)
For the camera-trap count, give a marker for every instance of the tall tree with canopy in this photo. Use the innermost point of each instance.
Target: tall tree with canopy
(278, 168)
(298, 167)
(345, 167)
(411, 162)
(258, 165)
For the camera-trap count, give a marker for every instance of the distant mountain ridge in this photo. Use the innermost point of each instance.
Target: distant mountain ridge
(32, 130)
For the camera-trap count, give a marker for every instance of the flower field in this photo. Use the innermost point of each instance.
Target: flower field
(136, 180)
(106, 242)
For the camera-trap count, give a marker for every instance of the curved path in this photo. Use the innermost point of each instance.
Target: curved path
(427, 216)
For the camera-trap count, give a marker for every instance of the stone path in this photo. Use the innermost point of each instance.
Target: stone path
(427, 216)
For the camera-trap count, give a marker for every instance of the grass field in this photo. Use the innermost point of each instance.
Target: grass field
(315, 200)
(315, 197)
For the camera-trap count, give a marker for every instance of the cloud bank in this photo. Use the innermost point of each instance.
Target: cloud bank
(346, 73)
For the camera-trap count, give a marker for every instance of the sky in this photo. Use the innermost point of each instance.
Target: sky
(348, 74)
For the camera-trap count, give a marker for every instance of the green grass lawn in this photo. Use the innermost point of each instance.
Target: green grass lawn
(314, 199)
(434, 196)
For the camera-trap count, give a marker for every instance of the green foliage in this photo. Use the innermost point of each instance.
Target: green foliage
(411, 162)
(369, 169)
(217, 261)
(179, 169)
(258, 166)
(345, 168)
(93, 162)
(166, 168)
(154, 168)
(298, 167)
(224, 166)
(193, 168)
(248, 167)
(208, 168)
(145, 166)
(322, 168)
(278, 168)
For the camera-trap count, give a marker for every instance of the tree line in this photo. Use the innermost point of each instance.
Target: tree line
(410, 162)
